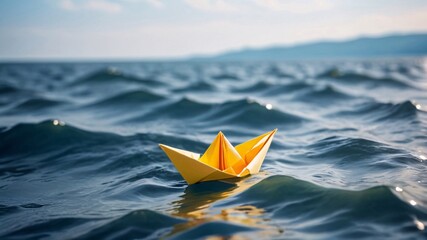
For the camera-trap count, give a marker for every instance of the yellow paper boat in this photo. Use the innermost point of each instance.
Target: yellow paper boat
(221, 160)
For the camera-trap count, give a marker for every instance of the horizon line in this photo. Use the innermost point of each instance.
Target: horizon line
(199, 56)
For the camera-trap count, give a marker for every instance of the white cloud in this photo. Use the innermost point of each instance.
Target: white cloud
(296, 6)
(155, 3)
(67, 5)
(95, 5)
(103, 6)
(212, 5)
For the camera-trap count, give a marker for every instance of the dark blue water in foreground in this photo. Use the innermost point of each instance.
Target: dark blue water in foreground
(79, 155)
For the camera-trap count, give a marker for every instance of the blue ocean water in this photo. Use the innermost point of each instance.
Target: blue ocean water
(79, 155)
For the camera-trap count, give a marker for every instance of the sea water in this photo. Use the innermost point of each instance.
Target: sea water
(79, 155)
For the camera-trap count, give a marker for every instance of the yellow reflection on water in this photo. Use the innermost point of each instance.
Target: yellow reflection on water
(196, 202)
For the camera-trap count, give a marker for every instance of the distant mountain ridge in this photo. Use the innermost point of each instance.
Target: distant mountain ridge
(386, 46)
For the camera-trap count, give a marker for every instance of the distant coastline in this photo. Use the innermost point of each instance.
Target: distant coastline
(397, 45)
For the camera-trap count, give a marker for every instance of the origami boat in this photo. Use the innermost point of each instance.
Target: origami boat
(221, 160)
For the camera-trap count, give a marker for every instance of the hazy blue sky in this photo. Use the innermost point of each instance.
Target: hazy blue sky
(154, 28)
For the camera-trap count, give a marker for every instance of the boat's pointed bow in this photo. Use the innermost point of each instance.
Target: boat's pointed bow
(187, 163)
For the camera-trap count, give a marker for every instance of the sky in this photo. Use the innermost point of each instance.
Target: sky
(156, 29)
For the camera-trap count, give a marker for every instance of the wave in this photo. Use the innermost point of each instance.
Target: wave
(11, 95)
(44, 137)
(387, 111)
(131, 98)
(45, 229)
(255, 88)
(225, 76)
(362, 79)
(308, 209)
(147, 190)
(136, 224)
(345, 152)
(381, 112)
(242, 112)
(251, 113)
(277, 72)
(15, 170)
(36, 104)
(324, 95)
(44, 145)
(200, 86)
(184, 108)
(288, 88)
(6, 89)
(5, 210)
(111, 76)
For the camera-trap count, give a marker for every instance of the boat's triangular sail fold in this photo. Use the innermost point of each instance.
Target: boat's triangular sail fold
(221, 160)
